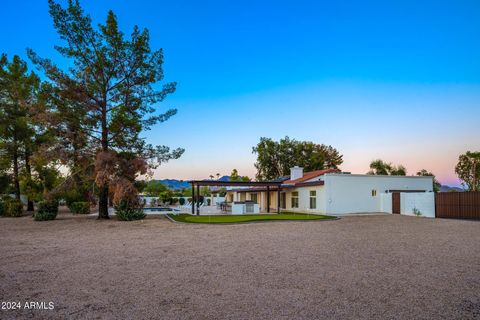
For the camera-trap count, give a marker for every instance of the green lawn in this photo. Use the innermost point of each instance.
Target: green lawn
(247, 217)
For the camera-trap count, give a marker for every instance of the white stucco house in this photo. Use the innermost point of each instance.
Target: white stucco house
(333, 192)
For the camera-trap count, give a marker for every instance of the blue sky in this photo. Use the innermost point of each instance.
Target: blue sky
(397, 80)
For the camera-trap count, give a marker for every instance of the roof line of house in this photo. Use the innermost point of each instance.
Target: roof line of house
(374, 175)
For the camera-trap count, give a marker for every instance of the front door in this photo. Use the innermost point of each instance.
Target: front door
(396, 202)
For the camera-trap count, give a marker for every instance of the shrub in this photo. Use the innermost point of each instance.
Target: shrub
(46, 210)
(126, 211)
(13, 208)
(417, 212)
(80, 207)
(181, 201)
(72, 197)
(209, 201)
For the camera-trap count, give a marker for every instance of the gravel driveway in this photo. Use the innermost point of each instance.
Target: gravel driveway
(368, 267)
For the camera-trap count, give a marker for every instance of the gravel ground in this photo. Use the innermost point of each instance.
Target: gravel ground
(368, 267)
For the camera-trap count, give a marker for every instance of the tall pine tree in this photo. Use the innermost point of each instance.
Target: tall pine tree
(18, 95)
(113, 79)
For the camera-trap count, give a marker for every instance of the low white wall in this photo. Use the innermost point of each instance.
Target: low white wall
(386, 202)
(423, 201)
(352, 193)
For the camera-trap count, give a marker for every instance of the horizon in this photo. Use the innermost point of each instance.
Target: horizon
(399, 82)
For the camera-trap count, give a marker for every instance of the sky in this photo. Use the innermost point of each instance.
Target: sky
(396, 80)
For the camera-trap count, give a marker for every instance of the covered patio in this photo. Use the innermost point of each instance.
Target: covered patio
(268, 186)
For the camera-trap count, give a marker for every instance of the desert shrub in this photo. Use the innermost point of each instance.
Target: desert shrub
(13, 208)
(417, 212)
(46, 210)
(181, 201)
(80, 207)
(126, 211)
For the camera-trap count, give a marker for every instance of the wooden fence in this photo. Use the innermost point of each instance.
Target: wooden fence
(458, 205)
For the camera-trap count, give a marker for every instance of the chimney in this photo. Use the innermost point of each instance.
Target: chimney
(296, 173)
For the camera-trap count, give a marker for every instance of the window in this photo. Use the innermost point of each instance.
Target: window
(313, 199)
(374, 193)
(295, 199)
(254, 197)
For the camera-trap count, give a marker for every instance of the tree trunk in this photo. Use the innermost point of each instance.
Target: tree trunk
(16, 181)
(103, 193)
(103, 203)
(28, 170)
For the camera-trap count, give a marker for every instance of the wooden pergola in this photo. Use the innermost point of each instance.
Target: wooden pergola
(270, 186)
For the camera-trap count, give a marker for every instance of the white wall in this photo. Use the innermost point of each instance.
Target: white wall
(386, 202)
(423, 201)
(304, 199)
(350, 193)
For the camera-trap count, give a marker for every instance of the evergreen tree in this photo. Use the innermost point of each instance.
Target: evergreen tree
(18, 94)
(112, 79)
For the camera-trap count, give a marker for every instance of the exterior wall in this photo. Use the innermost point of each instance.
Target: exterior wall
(349, 193)
(261, 198)
(304, 199)
(386, 202)
(423, 201)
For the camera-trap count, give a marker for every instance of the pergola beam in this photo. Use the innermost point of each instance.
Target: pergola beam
(216, 183)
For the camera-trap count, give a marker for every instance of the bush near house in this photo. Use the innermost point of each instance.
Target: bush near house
(125, 211)
(417, 212)
(181, 201)
(80, 207)
(46, 210)
(13, 208)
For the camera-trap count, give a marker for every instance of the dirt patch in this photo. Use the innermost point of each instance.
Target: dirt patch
(370, 267)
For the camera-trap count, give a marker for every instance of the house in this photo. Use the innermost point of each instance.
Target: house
(334, 192)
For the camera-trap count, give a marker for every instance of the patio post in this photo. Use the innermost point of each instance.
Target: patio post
(268, 199)
(198, 199)
(278, 199)
(193, 198)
